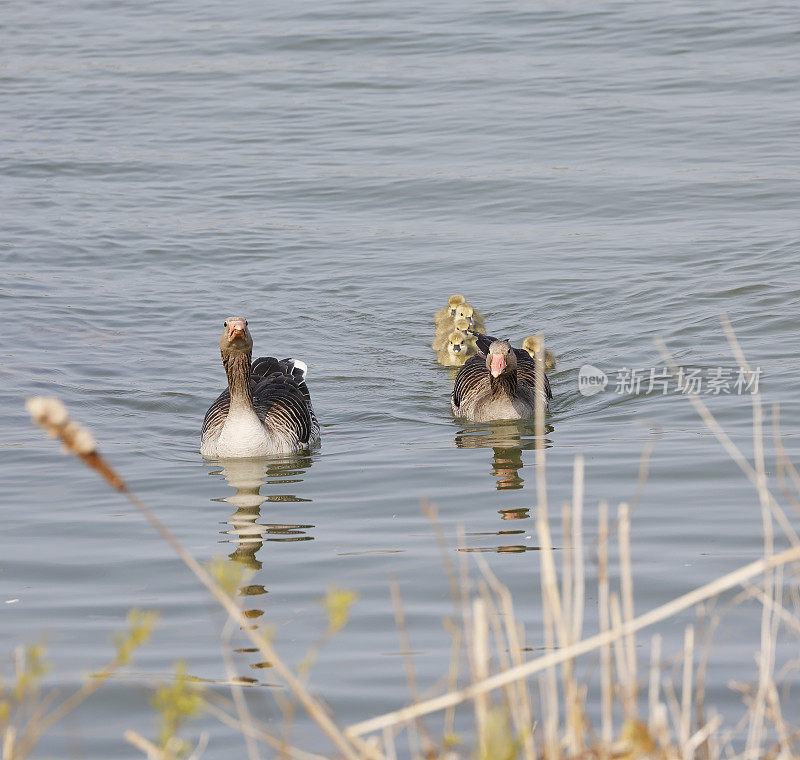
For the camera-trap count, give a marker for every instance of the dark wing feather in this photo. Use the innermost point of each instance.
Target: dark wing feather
(269, 365)
(279, 401)
(483, 342)
(526, 372)
(217, 412)
(470, 377)
(281, 396)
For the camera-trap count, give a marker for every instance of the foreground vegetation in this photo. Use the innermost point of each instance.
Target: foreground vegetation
(586, 696)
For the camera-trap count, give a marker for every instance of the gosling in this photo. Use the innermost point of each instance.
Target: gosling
(449, 311)
(457, 350)
(532, 344)
(467, 312)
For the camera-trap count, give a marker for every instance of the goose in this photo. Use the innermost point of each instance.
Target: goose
(266, 408)
(498, 383)
(449, 311)
(456, 350)
(445, 328)
(532, 344)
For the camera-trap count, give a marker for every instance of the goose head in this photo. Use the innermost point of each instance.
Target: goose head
(235, 337)
(500, 359)
(454, 302)
(464, 311)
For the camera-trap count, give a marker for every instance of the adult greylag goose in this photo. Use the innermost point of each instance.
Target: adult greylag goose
(498, 383)
(266, 408)
(532, 344)
(449, 311)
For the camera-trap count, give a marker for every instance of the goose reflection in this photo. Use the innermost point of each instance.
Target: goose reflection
(246, 477)
(507, 439)
(278, 477)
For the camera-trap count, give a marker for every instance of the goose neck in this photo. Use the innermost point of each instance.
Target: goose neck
(504, 385)
(237, 368)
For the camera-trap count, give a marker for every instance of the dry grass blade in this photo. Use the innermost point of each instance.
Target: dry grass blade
(48, 416)
(684, 602)
(604, 615)
(686, 690)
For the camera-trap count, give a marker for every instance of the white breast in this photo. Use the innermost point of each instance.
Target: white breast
(243, 435)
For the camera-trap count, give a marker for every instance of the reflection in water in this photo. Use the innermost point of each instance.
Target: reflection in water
(246, 477)
(507, 440)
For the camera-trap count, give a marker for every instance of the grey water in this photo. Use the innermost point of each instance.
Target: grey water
(602, 172)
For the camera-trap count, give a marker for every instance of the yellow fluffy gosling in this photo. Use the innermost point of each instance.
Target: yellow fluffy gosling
(532, 344)
(466, 311)
(449, 311)
(457, 350)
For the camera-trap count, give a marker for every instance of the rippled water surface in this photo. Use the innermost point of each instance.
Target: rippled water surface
(601, 172)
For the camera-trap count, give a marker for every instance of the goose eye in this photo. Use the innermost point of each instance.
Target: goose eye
(245, 323)
(224, 324)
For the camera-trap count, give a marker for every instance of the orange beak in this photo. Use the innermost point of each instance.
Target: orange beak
(498, 364)
(235, 330)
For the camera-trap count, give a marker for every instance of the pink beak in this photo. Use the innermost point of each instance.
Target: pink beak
(498, 364)
(235, 330)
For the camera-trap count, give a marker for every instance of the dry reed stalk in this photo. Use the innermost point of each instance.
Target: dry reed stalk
(9, 738)
(432, 514)
(655, 677)
(730, 447)
(464, 595)
(257, 731)
(664, 611)
(606, 673)
(550, 706)
(661, 726)
(685, 725)
(515, 644)
(480, 642)
(566, 566)
(623, 677)
(701, 736)
(572, 713)
(501, 647)
(452, 678)
(778, 609)
(753, 746)
(153, 751)
(46, 412)
(389, 748)
(417, 735)
(430, 511)
(626, 589)
(784, 738)
(783, 464)
(549, 576)
(240, 703)
(579, 591)
(671, 699)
